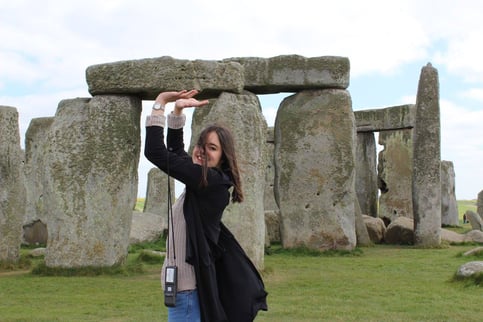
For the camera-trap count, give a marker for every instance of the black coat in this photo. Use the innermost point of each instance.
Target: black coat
(229, 286)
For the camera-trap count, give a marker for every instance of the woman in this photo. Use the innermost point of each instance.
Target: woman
(216, 280)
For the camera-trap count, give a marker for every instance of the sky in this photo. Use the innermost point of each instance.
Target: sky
(46, 46)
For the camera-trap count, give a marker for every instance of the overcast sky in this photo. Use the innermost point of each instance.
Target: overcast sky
(46, 46)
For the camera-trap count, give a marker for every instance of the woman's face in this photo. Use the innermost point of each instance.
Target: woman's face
(212, 151)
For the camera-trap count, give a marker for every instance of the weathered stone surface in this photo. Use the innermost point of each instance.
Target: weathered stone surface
(451, 236)
(427, 161)
(375, 228)
(269, 202)
(12, 185)
(146, 78)
(475, 236)
(146, 227)
(366, 173)
(35, 233)
(243, 116)
(474, 252)
(474, 219)
(383, 119)
(395, 174)
(157, 195)
(362, 234)
(293, 73)
(470, 268)
(315, 170)
(35, 147)
(400, 232)
(38, 252)
(479, 204)
(272, 223)
(91, 180)
(449, 205)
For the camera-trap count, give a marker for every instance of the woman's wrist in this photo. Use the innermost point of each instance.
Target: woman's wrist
(177, 110)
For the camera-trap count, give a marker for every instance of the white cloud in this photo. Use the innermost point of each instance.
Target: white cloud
(473, 93)
(45, 47)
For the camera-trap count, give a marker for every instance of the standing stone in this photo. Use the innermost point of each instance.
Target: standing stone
(242, 114)
(91, 180)
(366, 176)
(362, 233)
(157, 195)
(395, 174)
(12, 185)
(269, 202)
(479, 204)
(449, 205)
(315, 170)
(427, 161)
(35, 146)
(474, 219)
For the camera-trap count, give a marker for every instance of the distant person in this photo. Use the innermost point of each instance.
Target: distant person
(216, 279)
(465, 219)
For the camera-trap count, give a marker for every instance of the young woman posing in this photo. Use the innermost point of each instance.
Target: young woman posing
(216, 280)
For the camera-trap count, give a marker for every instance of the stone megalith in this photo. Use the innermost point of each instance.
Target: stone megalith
(269, 196)
(449, 205)
(91, 180)
(395, 174)
(362, 234)
(427, 161)
(12, 185)
(293, 73)
(146, 78)
(157, 195)
(479, 204)
(475, 220)
(242, 114)
(366, 173)
(315, 170)
(35, 140)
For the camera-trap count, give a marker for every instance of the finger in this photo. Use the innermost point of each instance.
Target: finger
(191, 93)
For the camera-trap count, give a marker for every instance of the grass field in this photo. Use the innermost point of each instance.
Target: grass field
(379, 283)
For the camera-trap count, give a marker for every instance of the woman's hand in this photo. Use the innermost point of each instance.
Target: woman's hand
(166, 97)
(187, 102)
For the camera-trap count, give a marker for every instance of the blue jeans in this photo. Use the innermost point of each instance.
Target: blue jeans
(187, 308)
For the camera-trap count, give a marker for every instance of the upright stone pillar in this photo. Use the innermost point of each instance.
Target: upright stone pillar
(157, 195)
(315, 170)
(449, 205)
(12, 186)
(427, 161)
(479, 204)
(366, 173)
(91, 180)
(269, 197)
(242, 114)
(272, 213)
(395, 174)
(35, 141)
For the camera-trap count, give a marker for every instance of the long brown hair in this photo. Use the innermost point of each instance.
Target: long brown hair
(229, 163)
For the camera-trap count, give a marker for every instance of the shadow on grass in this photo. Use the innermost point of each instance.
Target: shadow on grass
(305, 251)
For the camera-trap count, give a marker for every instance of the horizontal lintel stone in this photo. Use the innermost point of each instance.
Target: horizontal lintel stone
(294, 73)
(148, 77)
(389, 118)
(286, 73)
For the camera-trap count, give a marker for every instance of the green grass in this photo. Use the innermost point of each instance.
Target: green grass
(139, 204)
(378, 283)
(464, 205)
